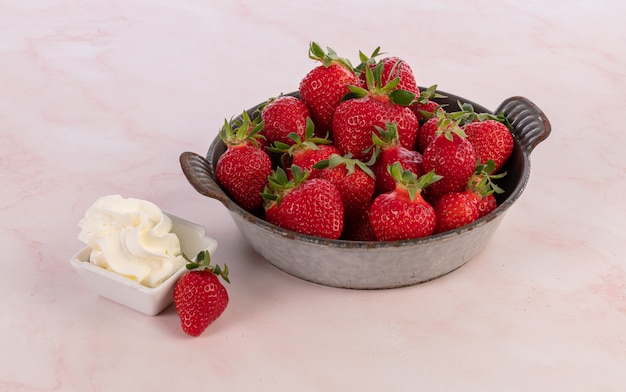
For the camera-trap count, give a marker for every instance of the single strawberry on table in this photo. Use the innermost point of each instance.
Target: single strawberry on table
(243, 168)
(199, 296)
(307, 206)
(403, 213)
(324, 86)
(357, 116)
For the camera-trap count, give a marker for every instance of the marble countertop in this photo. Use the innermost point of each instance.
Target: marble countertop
(102, 97)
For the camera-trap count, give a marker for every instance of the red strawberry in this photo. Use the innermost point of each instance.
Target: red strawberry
(428, 130)
(491, 140)
(403, 213)
(486, 204)
(483, 186)
(306, 159)
(451, 156)
(424, 107)
(393, 67)
(354, 180)
(456, 209)
(306, 152)
(426, 134)
(307, 206)
(428, 107)
(284, 115)
(325, 85)
(356, 119)
(199, 296)
(254, 125)
(389, 151)
(243, 169)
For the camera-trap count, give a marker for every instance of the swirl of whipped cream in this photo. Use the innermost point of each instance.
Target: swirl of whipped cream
(132, 238)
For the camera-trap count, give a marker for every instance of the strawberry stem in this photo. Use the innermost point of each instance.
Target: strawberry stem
(244, 131)
(327, 58)
(279, 185)
(203, 262)
(408, 180)
(481, 182)
(350, 163)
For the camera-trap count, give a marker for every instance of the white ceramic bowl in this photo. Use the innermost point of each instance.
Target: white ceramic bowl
(125, 291)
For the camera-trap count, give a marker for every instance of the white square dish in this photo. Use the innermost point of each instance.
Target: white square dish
(125, 291)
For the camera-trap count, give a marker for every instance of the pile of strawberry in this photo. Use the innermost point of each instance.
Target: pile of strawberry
(362, 154)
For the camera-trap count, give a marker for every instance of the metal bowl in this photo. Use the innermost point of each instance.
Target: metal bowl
(380, 265)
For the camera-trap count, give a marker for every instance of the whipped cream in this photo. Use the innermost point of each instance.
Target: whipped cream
(131, 237)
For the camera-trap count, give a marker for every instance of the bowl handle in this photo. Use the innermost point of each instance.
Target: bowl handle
(530, 124)
(198, 171)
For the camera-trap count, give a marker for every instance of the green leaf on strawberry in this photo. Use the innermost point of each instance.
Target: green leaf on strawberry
(347, 160)
(409, 180)
(327, 58)
(481, 182)
(202, 262)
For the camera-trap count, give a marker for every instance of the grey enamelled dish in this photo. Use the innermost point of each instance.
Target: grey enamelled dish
(380, 265)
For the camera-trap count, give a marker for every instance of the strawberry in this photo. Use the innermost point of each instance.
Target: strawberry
(325, 85)
(491, 139)
(357, 117)
(393, 67)
(243, 169)
(424, 107)
(489, 134)
(307, 206)
(284, 115)
(254, 125)
(426, 134)
(457, 209)
(388, 151)
(451, 156)
(428, 130)
(402, 213)
(199, 296)
(354, 180)
(307, 159)
(482, 184)
(306, 152)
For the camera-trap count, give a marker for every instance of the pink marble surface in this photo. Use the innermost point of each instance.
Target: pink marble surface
(101, 97)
